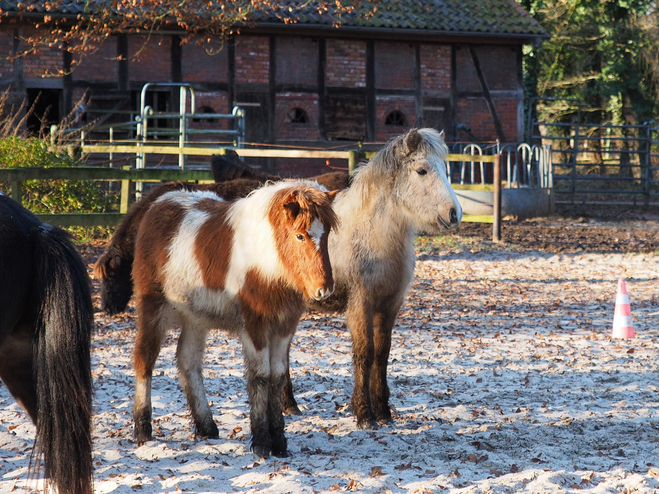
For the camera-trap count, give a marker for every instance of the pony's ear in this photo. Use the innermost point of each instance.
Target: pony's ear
(441, 134)
(292, 209)
(332, 194)
(412, 140)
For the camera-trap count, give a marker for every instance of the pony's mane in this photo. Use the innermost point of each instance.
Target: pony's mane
(387, 161)
(313, 200)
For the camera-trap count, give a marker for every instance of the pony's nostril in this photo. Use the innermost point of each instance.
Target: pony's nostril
(323, 293)
(453, 216)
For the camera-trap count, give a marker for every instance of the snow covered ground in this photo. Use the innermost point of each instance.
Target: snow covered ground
(503, 374)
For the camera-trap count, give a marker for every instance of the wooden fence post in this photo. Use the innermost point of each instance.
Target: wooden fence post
(353, 159)
(16, 191)
(496, 206)
(125, 194)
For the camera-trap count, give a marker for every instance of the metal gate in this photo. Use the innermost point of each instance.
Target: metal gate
(602, 164)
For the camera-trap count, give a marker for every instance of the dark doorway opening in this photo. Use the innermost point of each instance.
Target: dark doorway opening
(45, 106)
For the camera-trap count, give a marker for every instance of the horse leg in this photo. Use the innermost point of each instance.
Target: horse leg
(16, 370)
(190, 357)
(360, 322)
(150, 333)
(290, 405)
(279, 348)
(383, 323)
(257, 370)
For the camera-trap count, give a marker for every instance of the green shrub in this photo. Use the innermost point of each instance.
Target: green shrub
(50, 196)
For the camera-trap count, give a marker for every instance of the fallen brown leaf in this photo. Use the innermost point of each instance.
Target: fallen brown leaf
(376, 472)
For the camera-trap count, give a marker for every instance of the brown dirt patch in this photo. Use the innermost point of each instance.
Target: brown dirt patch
(578, 229)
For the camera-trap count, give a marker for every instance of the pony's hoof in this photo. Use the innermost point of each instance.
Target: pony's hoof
(208, 430)
(142, 436)
(261, 451)
(289, 405)
(385, 421)
(367, 424)
(280, 454)
(279, 446)
(383, 416)
(292, 410)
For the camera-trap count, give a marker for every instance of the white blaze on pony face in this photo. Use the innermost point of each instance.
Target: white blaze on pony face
(316, 232)
(303, 218)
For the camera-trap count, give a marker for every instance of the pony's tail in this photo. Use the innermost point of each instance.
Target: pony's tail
(62, 364)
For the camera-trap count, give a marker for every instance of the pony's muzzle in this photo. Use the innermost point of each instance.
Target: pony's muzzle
(323, 293)
(453, 220)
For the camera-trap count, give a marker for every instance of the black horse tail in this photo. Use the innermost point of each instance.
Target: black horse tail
(62, 363)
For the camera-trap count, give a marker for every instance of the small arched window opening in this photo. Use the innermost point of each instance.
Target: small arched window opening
(395, 118)
(200, 111)
(297, 116)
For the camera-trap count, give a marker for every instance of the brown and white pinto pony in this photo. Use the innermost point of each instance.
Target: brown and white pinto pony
(114, 267)
(235, 180)
(245, 266)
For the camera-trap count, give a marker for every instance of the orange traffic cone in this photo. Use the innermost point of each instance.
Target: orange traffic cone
(622, 317)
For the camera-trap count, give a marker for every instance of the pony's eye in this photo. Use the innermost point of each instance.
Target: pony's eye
(300, 237)
(422, 171)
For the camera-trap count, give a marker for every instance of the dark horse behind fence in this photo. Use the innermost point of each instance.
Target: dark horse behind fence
(245, 266)
(46, 317)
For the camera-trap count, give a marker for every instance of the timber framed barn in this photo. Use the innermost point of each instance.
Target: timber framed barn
(454, 65)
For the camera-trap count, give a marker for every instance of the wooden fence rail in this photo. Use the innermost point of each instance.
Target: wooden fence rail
(16, 177)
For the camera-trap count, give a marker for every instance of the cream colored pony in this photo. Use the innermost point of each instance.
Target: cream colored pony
(402, 191)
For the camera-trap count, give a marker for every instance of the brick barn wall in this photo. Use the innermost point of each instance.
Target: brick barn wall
(297, 131)
(386, 104)
(474, 112)
(252, 59)
(435, 67)
(497, 62)
(198, 66)
(394, 65)
(346, 63)
(46, 62)
(296, 65)
(99, 66)
(499, 69)
(297, 61)
(6, 50)
(507, 110)
(499, 66)
(218, 102)
(153, 62)
(466, 78)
